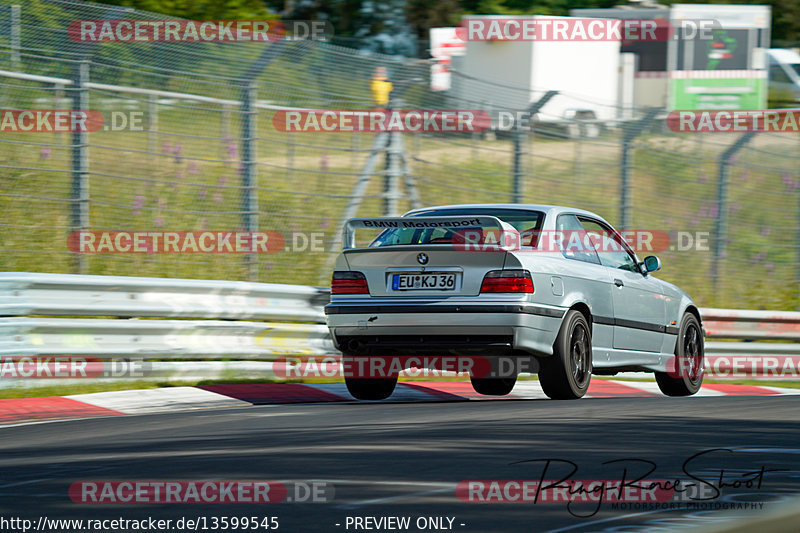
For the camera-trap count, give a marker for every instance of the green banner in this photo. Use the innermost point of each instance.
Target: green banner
(718, 93)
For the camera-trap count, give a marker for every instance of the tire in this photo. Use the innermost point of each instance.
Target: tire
(493, 386)
(689, 354)
(370, 388)
(566, 374)
(366, 388)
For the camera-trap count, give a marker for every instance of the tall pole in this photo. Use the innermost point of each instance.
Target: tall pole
(519, 138)
(80, 159)
(797, 240)
(249, 173)
(721, 227)
(516, 184)
(629, 132)
(14, 36)
(624, 183)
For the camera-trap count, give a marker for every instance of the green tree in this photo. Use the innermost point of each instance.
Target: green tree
(200, 9)
(426, 14)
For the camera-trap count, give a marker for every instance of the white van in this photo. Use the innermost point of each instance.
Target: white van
(784, 71)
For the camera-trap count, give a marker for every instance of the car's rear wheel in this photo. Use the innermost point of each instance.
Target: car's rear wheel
(687, 376)
(370, 388)
(365, 388)
(493, 386)
(566, 374)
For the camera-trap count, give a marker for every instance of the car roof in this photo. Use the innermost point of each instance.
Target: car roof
(549, 210)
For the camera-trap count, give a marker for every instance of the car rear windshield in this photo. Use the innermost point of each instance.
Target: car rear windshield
(527, 223)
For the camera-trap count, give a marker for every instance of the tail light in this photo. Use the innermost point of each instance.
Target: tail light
(507, 281)
(349, 282)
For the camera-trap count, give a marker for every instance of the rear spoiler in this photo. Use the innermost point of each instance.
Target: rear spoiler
(460, 222)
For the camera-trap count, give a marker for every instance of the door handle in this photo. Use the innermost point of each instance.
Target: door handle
(618, 282)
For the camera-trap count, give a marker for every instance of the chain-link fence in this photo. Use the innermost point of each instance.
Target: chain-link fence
(208, 157)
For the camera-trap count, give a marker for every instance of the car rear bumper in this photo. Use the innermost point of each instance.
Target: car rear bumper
(485, 329)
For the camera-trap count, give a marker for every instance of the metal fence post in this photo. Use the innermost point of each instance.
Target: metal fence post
(519, 138)
(80, 159)
(411, 183)
(392, 169)
(152, 126)
(393, 172)
(224, 131)
(797, 240)
(249, 173)
(721, 229)
(516, 184)
(355, 148)
(624, 182)
(14, 36)
(58, 103)
(629, 133)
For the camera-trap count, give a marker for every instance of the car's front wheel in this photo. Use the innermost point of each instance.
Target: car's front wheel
(493, 386)
(565, 375)
(687, 376)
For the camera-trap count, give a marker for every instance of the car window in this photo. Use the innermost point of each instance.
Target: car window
(527, 223)
(572, 243)
(414, 236)
(613, 253)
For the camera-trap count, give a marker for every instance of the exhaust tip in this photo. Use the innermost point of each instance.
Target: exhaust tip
(355, 345)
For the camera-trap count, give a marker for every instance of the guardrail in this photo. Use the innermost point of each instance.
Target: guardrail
(23, 293)
(744, 324)
(762, 356)
(160, 339)
(170, 320)
(229, 309)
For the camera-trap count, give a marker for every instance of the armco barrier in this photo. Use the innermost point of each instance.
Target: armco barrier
(745, 324)
(195, 320)
(160, 339)
(230, 311)
(23, 293)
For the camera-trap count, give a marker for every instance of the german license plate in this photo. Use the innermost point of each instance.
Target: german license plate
(424, 282)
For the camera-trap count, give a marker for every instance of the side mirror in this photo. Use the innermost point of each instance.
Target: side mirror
(652, 263)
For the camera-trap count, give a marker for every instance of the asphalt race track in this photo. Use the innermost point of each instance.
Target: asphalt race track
(405, 459)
